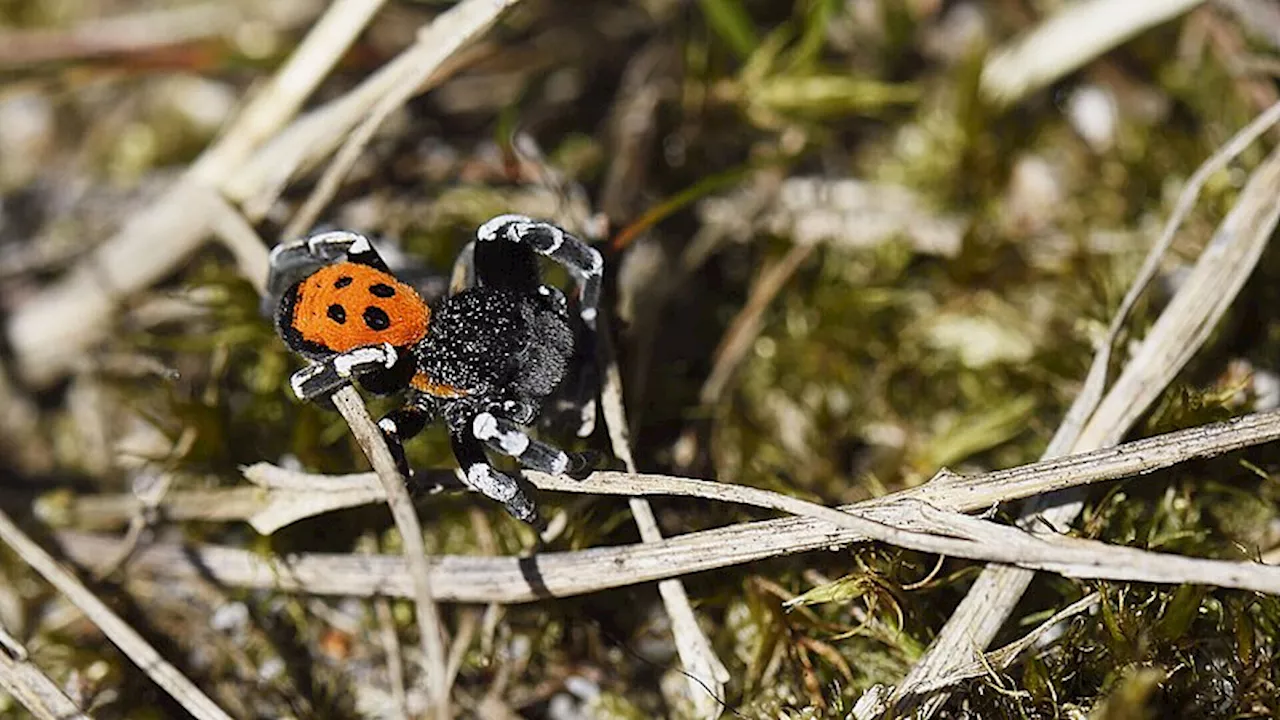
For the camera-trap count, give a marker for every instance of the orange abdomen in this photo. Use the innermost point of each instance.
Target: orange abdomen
(345, 306)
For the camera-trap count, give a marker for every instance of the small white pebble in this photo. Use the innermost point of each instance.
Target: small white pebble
(1035, 195)
(270, 669)
(563, 707)
(581, 687)
(1266, 388)
(229, 617)
(1093, 113)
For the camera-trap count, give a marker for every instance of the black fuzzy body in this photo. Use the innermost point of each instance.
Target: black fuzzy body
(497, 346)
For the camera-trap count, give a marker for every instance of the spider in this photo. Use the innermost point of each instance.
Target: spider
(483, 360)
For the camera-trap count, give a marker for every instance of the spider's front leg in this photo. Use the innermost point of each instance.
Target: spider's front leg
(483, 478)
(580, 259)
(504, 247)
(327, 376)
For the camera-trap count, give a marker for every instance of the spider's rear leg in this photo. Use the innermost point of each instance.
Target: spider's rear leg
(482, 477)
(291, 261)
(327, 247)
(575, 401)
(327, 376)
(574, 404)
(463, 273)
(504, 436)
(503, 256)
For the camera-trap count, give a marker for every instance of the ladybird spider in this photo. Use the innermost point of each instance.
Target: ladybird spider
(483, 360)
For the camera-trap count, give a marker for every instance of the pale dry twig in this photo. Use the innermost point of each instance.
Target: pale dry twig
(284, 496)
(117, 630)
(375, 448)
(28, 684)
(52, 329)
(439, 41)
(506, 579)
(1077, 34)
(913, 523)
(707, 674)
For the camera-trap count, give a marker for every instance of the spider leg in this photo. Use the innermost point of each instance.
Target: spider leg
(402, 424)
(576, 407)
(336, 243)
(463, 274)
(327, 376)
(291, 261)
(482, 477)
(580, 259)
(586, 384)
(504, 436)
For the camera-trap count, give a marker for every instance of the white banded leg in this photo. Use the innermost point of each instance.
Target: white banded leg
(583, 261)
(334, 244)
(402, 424)
(329, 375)
(506, 437)
(483, 478)
(291, 261)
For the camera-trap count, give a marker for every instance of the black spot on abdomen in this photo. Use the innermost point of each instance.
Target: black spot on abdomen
(376, 318)
(382, 290)
(342, 282)
(337, 313)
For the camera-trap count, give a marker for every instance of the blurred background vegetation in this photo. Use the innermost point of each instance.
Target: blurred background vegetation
(836, 265)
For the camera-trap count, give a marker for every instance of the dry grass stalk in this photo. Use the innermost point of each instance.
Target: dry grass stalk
(111, 511)
(53, 328)
(874, 701)
(1179, 332)
(707, 674)
(391, 647)
(1007, 655)
(1067, 41)
(914, 523)
(117, 630)
(294, 496)
(436, 43)
(27, 684)
(284, 496)
(471, 579)
(375, 448)
(474, 579)
(1095, 381)
(36, 692)
(315, 135)
(239, 237)
(322, 48)
(133, 33)
(745, 328)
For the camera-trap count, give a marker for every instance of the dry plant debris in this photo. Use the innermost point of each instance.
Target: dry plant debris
(850, 244)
